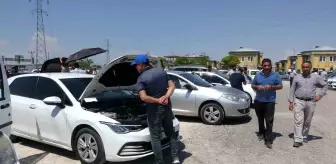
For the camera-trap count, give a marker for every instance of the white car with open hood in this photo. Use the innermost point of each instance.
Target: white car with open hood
(99, 117)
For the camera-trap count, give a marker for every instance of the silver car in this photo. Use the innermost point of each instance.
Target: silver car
(194, 96)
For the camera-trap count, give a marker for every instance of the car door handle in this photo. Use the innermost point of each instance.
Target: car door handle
(4, 106)
(32, 106)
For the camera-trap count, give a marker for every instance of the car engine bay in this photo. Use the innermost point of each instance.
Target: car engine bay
(126, 110)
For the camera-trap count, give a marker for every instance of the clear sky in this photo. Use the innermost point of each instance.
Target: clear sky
(276, 27)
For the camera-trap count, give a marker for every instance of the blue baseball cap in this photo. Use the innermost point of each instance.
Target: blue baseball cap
(141, 58)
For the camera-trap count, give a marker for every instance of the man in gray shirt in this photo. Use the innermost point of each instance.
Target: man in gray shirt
(324, 75)
(303, 98)
(292, 75)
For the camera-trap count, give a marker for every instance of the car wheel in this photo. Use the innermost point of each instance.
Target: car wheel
(89, 147)
(212, 114)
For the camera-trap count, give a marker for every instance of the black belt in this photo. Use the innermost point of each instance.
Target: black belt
(305, 99)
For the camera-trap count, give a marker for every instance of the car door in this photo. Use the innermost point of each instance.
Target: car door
(22, 91)
(183, 100)
(51, 120)
(5, 103)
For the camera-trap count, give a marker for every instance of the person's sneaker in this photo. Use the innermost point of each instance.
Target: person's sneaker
(176, 160)
(297, 144)
(305, 140)
(268, 144)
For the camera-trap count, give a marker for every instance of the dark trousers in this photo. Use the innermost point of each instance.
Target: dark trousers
(291, 81)
(265, 113)
(161, 116)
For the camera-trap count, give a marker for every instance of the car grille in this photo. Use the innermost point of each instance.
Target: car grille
(244, 111)
(140, 148)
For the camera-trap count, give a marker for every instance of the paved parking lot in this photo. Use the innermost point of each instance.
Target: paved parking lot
(234, 142)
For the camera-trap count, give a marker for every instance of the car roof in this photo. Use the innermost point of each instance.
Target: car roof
(57, 75)
(175, 72)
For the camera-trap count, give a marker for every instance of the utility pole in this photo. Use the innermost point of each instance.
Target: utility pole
(41, 48)
(107, 51)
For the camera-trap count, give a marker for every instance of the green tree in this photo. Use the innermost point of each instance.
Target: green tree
(181, 61)
(230, 61)
(201, 61)
(85, 63)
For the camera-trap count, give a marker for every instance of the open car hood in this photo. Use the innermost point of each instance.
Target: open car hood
(118, 74)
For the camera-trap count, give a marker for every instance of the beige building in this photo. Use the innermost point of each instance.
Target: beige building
(248, 57)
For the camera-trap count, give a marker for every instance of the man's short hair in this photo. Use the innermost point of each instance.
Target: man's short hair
(241, 69)
(266, 60)
(306, 62)
(245, 68)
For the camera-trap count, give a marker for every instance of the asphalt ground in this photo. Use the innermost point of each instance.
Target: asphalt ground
(234, 142)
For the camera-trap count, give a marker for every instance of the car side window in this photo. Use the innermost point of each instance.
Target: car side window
(182, 83)
(216, 79)
(179, 69)
(176, 81)
(23, 86)
(206, 77)
(47, 87)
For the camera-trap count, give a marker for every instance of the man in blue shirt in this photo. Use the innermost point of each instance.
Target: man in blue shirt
(265, 83)
(155, 89)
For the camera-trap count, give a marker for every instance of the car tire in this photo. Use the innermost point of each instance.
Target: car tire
(209, 117)
(96, 147)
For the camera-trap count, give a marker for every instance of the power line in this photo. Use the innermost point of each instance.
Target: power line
(41, 48)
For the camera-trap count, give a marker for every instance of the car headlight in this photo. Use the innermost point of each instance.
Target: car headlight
(234, 98)
(118, 128)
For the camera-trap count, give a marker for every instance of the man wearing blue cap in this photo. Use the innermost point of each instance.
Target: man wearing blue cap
(152, 86)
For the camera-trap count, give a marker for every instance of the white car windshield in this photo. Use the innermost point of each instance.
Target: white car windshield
(76, 85)
(196, 80)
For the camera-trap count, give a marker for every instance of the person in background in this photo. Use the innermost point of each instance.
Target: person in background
(237, 80)
(94, 71)
(152, 86)
(324, 75)
(75, 69)
(315, 71)
(247, 77)
(303, 99)
(232, 70)
(265, 83)
(291, 77)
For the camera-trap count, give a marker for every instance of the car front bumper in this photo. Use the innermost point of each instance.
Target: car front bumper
(130, 146)
(236, 109)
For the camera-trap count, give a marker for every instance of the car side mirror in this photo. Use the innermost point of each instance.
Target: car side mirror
(8, 154)
(52, 100)
(188, 86)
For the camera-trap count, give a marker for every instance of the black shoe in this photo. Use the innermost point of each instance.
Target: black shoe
(297, 144)
(261, 136)
(305, 140)
(268, 144)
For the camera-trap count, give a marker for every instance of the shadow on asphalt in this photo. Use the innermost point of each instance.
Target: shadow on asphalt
(166, 155)
(310, 137)
(33, 159)
(42, 147)
(228, 121)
